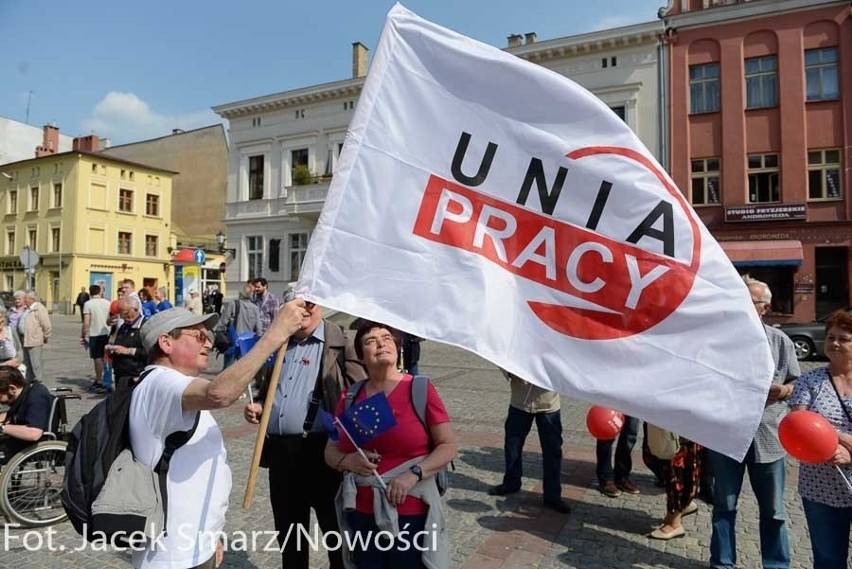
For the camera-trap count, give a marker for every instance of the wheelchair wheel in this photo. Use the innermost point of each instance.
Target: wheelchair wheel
(30, 484)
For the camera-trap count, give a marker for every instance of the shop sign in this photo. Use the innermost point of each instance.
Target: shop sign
(775, 212)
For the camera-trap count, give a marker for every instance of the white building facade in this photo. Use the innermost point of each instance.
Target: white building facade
(285, 147)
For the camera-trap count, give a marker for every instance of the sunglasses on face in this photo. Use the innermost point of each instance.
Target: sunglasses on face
(203, 336)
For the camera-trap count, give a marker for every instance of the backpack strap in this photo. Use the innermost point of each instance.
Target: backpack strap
(173, 442)
(419, 394)
(352, 392)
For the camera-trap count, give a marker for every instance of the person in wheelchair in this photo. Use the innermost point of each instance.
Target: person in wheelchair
(24, 423)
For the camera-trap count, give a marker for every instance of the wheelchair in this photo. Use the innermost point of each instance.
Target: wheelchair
(31, 480)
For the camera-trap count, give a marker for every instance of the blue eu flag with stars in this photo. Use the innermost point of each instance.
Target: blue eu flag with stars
(368, 419)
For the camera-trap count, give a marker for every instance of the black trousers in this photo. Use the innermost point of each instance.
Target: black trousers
(299, 480)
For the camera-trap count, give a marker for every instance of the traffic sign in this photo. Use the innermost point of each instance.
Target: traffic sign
(29, 258)
(200, 256)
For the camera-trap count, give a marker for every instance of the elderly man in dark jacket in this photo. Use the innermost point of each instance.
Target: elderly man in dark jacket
(128, 354)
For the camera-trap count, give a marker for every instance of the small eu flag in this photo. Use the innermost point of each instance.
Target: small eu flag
(368, 419)
(327, 420)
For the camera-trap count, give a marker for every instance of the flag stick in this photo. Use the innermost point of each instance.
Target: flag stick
(361, 452)
(264, 423)
(843, 476)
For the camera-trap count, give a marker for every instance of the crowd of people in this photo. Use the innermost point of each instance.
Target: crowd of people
(388, 483)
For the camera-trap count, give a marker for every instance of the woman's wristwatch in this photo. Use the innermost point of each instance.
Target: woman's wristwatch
(2, 428)
(417, 472)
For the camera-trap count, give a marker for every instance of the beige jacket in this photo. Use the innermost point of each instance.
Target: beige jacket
(37, 326)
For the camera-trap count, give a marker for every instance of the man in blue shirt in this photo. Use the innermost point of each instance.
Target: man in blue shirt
(319, 364)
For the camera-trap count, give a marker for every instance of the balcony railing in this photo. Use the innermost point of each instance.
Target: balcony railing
(306, 199)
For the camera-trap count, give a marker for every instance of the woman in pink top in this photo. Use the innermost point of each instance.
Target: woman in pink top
(377, 346)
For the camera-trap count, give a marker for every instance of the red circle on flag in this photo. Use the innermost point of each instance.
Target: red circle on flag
(657, 301)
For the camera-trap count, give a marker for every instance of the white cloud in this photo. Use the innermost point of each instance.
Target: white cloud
(124, 117)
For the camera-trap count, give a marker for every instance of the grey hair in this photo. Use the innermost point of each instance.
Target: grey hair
(767, 292)
(19, 294)
(133, 301)
(32, 294)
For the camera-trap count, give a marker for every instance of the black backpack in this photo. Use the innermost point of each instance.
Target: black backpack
(223, 336)
(419, 390)
(95, 442)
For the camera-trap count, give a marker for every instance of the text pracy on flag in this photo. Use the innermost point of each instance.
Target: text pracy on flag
(492, 204)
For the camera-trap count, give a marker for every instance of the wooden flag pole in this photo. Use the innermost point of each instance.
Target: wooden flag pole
(261, 431)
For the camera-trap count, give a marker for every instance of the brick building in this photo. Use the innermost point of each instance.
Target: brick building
(760, 123)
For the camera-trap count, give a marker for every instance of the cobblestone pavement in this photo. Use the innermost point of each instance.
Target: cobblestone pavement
(485, 531)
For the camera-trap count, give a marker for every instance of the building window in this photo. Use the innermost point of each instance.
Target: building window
(123, 174)
(151, 242)
(34, 198)
(254, 256)
(12, 204)
(57, 194)
(132, 175)
(298, 247)
(256, 177)
(152, 205)
(125, 242)
(704, 88)
(10, 243)
(821, 74)
(763, 178)
(705, 181)
(54, 239)
(274, 255)
(824, 174)
(94, 168)
(32, 237)
(300, 174)
(621, 111)
(125, 200)
(10, 282)
(761, 76)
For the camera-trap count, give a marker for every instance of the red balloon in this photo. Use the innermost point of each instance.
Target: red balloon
(808, 436)
(604, 423)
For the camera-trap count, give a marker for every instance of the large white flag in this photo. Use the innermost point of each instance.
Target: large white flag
(487, 202)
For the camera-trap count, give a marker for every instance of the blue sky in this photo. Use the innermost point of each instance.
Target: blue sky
(135, 70)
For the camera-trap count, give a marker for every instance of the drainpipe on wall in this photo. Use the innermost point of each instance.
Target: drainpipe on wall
(663, 101)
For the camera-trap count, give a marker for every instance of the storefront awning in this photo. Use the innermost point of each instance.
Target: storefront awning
(184, 257)
(764, 253)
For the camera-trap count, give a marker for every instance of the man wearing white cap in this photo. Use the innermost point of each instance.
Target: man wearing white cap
(171, 398)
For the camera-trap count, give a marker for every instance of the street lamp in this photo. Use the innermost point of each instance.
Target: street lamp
(220, 241)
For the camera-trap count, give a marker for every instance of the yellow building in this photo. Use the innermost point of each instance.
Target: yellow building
(91, 218)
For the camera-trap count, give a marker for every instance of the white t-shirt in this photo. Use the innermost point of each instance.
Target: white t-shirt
(98, 311)
(199, 479)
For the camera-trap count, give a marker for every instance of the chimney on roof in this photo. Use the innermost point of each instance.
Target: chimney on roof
(88, 143)
(529, 38)
(49, 141)
(359, 60)
(514, 40)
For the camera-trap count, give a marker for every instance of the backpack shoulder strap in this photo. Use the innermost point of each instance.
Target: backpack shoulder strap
(352, 393)
(419, 393)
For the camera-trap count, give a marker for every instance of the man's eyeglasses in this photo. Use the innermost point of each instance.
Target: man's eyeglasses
(202, 336)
